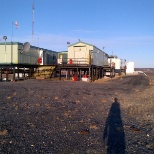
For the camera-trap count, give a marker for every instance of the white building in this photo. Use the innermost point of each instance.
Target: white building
(130, 67)
(115, 62)
(84, 53)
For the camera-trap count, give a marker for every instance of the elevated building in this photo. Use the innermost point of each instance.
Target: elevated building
(85, 53)
(12, 53)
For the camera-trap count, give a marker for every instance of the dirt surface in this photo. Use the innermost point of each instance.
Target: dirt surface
(109, 116)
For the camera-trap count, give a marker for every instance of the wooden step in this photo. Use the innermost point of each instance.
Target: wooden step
(44, 72)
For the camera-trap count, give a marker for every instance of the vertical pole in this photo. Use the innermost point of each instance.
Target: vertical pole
(80, 74)
(89, 58)
(33, 21)
(92, 74)
(99, 75)
(5, 50)
(96, 71)
(30, 72)
(68, 74)
(11, 52)
(18, 73)
(1, 75)
(59, 73)
(13, 73)
(125, 67)
(110, 72)
(24, 73)
(12, 43)
(7, 75)
(89, 73)
(101, 72)
(77, 73)
(12, 32)
(5, 37)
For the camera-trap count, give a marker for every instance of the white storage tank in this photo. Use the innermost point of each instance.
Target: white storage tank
(130, 67)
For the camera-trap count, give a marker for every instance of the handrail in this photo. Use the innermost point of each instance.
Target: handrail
(73, 61)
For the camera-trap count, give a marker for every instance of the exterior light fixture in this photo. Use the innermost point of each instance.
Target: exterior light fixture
(5, 38)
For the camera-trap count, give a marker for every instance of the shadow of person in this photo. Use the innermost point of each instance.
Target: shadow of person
(114, 136)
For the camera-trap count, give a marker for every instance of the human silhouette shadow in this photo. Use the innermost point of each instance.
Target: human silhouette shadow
(114, 136)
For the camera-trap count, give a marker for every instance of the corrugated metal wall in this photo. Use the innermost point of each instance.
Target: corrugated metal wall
(49, 57)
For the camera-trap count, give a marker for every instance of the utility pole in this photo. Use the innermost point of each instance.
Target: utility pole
(5, 37)
(33, 21)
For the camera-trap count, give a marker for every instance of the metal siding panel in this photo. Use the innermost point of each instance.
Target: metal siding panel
(70, 52)
(29, 57)
(6, 58)
(2, 53)
(15, 54)
(99, 57)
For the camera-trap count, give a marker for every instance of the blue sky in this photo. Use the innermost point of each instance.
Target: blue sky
(124, 27)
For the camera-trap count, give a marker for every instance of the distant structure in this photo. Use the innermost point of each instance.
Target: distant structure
(130, 67)
(33, 21)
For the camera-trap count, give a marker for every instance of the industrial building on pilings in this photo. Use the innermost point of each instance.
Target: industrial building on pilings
(82, 61)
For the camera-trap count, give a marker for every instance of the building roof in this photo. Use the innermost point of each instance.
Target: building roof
(62, 51)
(80, 42)
(9, 43)
(113, 56)
(86, 44)
(19, 43)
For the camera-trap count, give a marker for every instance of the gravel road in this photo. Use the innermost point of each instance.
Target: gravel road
(110, 116)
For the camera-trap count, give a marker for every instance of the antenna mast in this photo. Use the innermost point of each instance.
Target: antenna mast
(33, 21)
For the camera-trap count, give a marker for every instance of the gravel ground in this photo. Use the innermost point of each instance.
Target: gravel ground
(110, 116)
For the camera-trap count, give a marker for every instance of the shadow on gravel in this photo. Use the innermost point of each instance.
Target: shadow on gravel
(114, 136)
